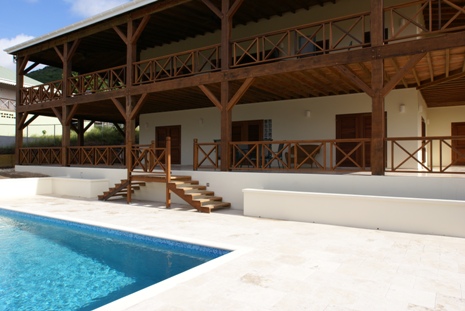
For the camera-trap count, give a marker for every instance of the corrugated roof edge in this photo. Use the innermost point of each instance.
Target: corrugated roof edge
(124, 8)
(8, 77)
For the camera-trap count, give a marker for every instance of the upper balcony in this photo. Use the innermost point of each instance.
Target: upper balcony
(405, 22)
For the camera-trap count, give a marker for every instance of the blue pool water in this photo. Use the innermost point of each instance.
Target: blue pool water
(51, 264)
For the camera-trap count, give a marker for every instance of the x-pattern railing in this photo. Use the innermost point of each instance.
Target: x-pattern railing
(206, 154)
(147, 158)
(316, 155)
(40, 156)
(97, 155)
(406, 20)
(99, 81)
(311, 39)
(41, 93)
(177, 65)
(427, 154)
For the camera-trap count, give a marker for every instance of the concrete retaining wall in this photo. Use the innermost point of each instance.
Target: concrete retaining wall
(426, 216)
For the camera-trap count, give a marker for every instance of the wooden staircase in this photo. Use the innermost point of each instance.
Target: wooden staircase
(189, 190)
(121, 189)
(196, 195)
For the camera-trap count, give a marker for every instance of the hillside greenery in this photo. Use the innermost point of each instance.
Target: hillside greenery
(97, 136)
(47, 74)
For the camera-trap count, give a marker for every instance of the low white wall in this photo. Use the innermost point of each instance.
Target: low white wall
(426, 216)
(23, 187)
(78, 187)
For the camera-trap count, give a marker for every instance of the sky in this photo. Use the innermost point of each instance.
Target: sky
(22, 20)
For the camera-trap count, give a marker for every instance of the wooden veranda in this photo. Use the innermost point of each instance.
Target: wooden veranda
(368, 52)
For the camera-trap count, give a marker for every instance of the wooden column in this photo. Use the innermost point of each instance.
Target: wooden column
(20, 66)
(80, 132)
(65, 135)
(378, 150)
(226, 126)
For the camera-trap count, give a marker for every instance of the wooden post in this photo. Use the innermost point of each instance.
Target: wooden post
(168, 170)
(226, 126)
(20, 66)
(65, 136)
(81, 131)
(130, 126)
(377, 84)
(196, 154)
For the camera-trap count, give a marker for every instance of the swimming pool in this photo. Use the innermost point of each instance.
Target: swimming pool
(52, 264)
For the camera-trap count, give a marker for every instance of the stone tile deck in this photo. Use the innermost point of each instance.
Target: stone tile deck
(286, 265)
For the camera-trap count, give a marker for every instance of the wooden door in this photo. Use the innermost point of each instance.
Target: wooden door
(247, 130)
(350, 126)
(161, 132)
(458, 146)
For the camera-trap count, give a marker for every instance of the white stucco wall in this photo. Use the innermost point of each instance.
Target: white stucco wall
(288, 118)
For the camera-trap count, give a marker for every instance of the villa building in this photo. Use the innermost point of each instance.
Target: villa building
(303, 86)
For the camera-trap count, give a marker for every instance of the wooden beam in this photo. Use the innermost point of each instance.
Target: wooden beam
(121, 34)
(211, 96)
(30, 120)
(135, 111)
(71, 114)
(238, 95)
(396, 67)
(57, 114)
(344, 70)
(119, 106)
(28, 69)
(233, 9)
(119, 129)
(140, 28)
(401, 73)
(440, 81)
(21, 119)
(213, 8)
(89, 125)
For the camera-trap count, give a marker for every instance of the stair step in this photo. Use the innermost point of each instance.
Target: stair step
(214, 206)
(205, 199)
(196, 192)
(192, 187)
(185, 182)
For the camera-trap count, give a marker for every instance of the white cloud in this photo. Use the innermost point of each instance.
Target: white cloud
(88, 8)
(6, 60)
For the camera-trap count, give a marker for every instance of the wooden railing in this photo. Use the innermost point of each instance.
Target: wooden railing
(148, 159)
(404, 20)
(97, 155)
(40, 156)
(405, 154)
(426, 154)
(187, 63)
(41, 93)
(98, 81)
(87, 156)
(316, 155)
(311, 39)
